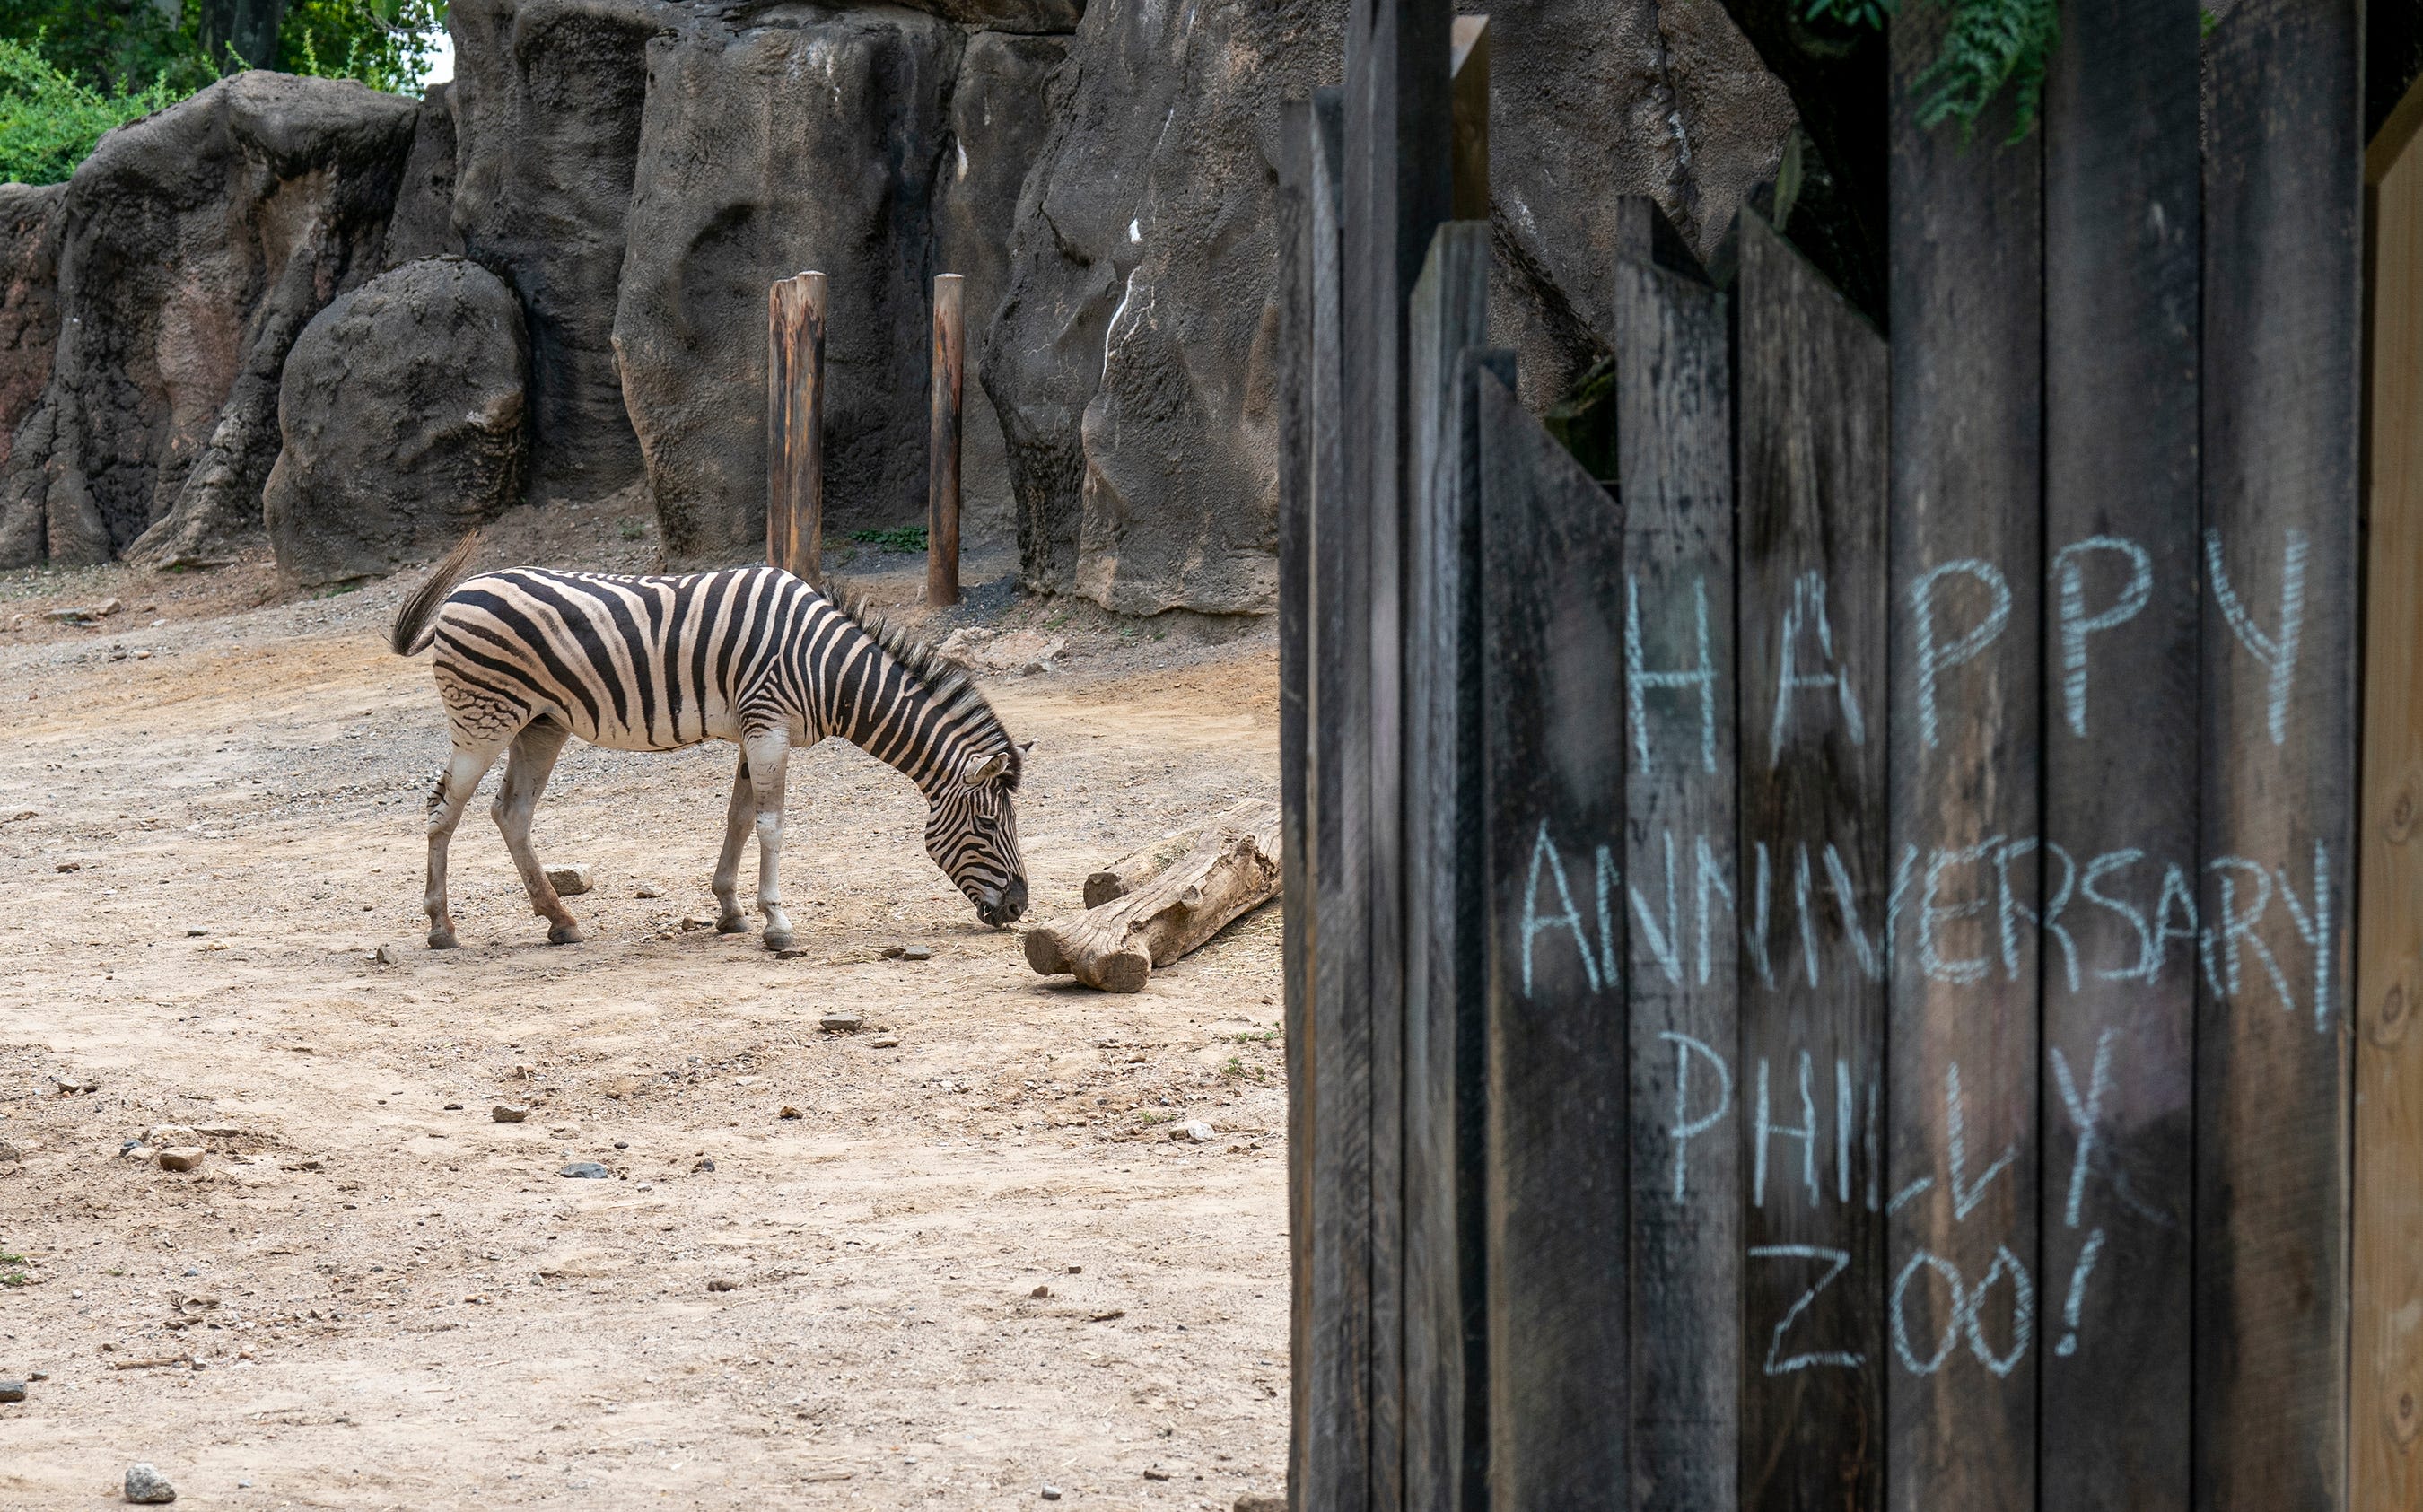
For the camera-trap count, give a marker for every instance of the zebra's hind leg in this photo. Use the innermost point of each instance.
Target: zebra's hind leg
(768, 754)
(525, 773)
(455, 785)
(728, 917)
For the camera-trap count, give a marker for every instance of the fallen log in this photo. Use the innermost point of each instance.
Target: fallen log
(1132, 872)
(1231, 865)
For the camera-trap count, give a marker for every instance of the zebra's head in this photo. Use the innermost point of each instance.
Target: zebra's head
(972, 833)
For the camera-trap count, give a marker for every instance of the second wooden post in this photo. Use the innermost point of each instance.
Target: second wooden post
(942, 445)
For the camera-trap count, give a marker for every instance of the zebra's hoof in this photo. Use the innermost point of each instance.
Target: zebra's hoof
(563, 935)
(779, 940)
(732, 925)
(441, 939)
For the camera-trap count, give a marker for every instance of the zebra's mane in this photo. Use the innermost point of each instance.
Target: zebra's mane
(946, 681)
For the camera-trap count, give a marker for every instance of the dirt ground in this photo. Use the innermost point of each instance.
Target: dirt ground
(953, 1270)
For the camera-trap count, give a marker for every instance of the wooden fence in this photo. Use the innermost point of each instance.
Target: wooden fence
(1823, 975)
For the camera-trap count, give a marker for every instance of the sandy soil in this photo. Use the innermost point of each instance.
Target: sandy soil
(972, 1265)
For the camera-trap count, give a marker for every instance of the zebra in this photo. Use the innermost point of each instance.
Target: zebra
(527, 658)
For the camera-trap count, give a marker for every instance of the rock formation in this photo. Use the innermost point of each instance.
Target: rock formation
(1131, 360)
(29, 305)
(423, 223)
(404, 424)
(194, 245)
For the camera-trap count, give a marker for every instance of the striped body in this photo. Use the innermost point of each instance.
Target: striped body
(527, 657)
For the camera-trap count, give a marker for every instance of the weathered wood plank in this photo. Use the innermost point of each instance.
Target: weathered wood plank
(2386, 1410)
(2122, 195)
(1556, 1170)
(1399, 142)
(1673, 398)
(949, 372)
(795, 422)
(1967, 341)
(1814, 392)
(1336, 1365)
(2282, 202)
(1449, 318)
(1296, 735)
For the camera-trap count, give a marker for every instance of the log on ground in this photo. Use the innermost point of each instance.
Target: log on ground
(1231, 866)
(1132, 871)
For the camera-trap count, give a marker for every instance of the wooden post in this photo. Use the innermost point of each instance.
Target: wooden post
(1812, 386)
(2121, 732)
(1966, 544)
(2280, 396)
(795, 414)
(942, 444)
(2387, 1410)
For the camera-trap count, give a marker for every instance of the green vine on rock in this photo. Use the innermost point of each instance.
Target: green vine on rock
(1989, 44)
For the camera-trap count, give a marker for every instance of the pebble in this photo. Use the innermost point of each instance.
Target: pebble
(698, 921)
(790, 953)
(146, 1485)
(453, 1108)
(843, 1023)
(1194, 1132)
(1156, 1474)
(70, 866)
(1260, 1502)
(11, 1152)
(890, 952)
(218, 1132)
(722, 1284)
(188, 1158)
(1040, 1291)
(647, 890)
(585, 1171)
(884, 1042)
(12, 1391)
(164, 1134)
(697, 1166)
(789, 1111)
(570, 880)
(134, 1149)
(509, 1112)
(917, 952)
(383, 955)
(1052, 1493)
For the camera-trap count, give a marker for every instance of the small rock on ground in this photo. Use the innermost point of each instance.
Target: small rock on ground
(161, 1135)
(146, 1485)
(884, 1042)
(722, 1284)
(1260, 1502)
(648, 890)
(570, 880)
(509, 1112)
(1052, 1493)
(916, 952)
(12, 1391)
(188, 1158)
(842, 1023)
(1194, 1132)
(585, 1171)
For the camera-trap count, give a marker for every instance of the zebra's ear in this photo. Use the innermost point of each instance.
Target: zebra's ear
(981, 769)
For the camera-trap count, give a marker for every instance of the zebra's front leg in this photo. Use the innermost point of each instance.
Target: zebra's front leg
(768, 754)
(728, 917)
(455, 785)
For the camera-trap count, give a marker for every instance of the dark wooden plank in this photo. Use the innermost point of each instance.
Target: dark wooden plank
(1399, 142)
(1967, 337)
(1337, 1086)
(1673, 398)
(1450, 317)
(2282, 206)
(1556, 1170)
(1297, 731)
(2121, 728)
(1814, 393)
(795, 416)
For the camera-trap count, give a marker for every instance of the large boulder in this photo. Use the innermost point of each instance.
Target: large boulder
(195, 246)
(29, 301)
(423, 223)
(880, 146)
(1131, 361)
(404, 422)
(547, 99)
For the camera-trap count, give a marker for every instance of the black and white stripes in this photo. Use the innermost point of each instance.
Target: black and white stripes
(527, 657)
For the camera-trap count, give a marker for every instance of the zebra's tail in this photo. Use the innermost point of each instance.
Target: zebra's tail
(413, 630)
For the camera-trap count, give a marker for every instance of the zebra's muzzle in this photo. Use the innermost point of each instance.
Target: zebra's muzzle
(1005, 906)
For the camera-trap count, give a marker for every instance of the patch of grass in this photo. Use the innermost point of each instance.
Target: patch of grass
(1149, 1117)
(340, 589)
(1258, 1036)
(11, 1277)
(634, 531)
(906, 538)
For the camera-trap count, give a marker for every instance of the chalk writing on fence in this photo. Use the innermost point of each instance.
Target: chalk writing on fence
(2260, 931)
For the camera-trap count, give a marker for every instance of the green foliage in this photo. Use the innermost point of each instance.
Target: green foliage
(1990, 45)
(71, 69)
(49, 120)
(906, 538)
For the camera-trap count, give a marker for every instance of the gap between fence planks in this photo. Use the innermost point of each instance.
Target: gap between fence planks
(1232, 865)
